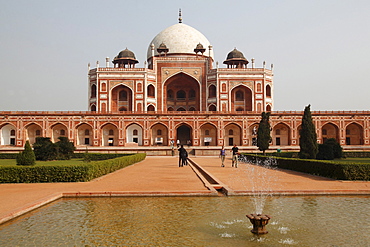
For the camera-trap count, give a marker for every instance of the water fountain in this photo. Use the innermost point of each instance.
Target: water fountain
(262, 185)
(259, 222)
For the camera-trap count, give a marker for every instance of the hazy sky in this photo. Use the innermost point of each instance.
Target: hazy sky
(320, 49)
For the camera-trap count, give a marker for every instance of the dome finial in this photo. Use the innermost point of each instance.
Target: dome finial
(180, 18)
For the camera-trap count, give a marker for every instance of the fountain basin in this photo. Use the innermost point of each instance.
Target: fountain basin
(259, 222)
(191, 221)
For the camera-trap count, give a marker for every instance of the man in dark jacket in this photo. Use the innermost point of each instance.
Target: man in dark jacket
(183, 156)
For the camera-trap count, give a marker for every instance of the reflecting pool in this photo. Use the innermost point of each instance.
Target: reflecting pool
(192, 221)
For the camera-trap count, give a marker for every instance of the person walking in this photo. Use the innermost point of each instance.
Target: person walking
(222, 156)
(235, 151)
(183, 156)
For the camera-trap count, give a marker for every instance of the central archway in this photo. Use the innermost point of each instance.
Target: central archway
(181, 93)
(183, 134)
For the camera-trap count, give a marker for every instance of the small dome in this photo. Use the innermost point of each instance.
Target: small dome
(162, 46)
(199, 46)
(125, 56)
(235, 54)
(126, 53)
(236, 59)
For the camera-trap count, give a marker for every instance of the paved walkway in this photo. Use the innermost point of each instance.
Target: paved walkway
(162, 176)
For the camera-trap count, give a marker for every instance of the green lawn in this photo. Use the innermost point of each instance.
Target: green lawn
(354, 160)
(12, 162)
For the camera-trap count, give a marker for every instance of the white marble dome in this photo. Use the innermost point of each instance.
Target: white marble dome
(179, 38)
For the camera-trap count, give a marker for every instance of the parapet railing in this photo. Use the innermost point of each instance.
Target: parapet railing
(181, 113)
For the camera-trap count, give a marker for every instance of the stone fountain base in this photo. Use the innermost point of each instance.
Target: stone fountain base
(259, 222)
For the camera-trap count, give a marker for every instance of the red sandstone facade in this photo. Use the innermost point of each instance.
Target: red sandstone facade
(179, 96)
(97, 129)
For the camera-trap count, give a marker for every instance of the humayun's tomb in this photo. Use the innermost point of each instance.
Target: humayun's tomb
(179, 95)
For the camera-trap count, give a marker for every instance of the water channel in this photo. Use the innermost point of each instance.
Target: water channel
(192, 221)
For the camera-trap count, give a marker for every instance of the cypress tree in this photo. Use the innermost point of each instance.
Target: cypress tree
(308, 137)
(27, 156)
(263, 133)
(65, 148)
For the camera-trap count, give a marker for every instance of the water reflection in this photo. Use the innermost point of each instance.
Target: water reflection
(191, 221)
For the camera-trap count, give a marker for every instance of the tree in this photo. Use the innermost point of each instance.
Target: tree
(44, 149)
(308, 137)
(263, 133)
(27, 156)
(64, 148)
(330, 150)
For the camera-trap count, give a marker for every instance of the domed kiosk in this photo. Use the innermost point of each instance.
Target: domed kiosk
(125, 58)
(236, 59)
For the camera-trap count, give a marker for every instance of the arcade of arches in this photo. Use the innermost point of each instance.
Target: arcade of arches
(159, 134)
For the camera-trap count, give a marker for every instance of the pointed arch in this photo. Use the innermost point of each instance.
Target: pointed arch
(121, 98)
(232, 134)
(208, 135)
(159, 134)
(7, 134)
(93, 91)
(281, 135)
(354, 134)
(151, 91)
(33, 131)
(109, 134)
(184, 133)
(84, 134)
(241, 98)
(212, 107)
(58, 130)
(181, 90)
(134, 134)
(212, 91)
(329, 130)
(252, 132)
(268, 91)
(150, 108)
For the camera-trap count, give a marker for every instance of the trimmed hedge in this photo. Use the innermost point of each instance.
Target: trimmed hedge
(98, 156)
(330, 169)
(8, 156)
(66, 173)
(356, 154)
(94, 156)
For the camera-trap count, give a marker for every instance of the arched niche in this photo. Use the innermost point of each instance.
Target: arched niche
(109, 134)
(159, 135)
(134, 134)
(208, 135)
(182, 91)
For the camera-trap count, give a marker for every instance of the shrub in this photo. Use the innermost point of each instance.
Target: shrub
(64, 148)
(44, 149)
(337, 149)
(66, 173)
(325, 152)
(330, 150)
(27, 156)
(330, 169)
